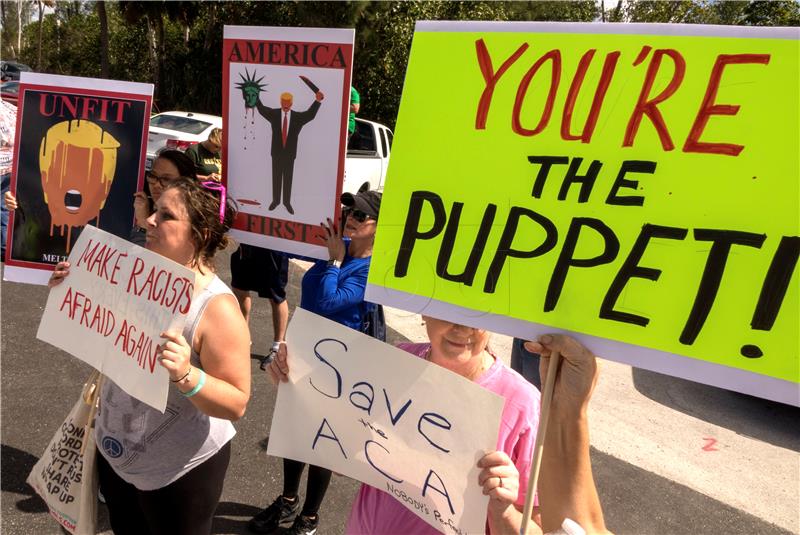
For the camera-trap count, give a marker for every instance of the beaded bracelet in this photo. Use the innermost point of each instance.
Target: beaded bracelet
(198, 386)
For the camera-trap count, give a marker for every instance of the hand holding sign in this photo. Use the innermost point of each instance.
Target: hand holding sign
(279, 367)
(566, 489)
(175, 355)
(500, 481)
(59, 274)
(577, 375)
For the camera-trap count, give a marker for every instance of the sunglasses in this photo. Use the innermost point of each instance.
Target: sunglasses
(216, 186)
(358, 215)
(162, 180)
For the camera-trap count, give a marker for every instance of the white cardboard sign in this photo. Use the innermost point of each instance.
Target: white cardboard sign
(285, 170)
(111, 309)
(380, 415)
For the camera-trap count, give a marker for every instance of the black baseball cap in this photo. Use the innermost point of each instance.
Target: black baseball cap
(368, 202)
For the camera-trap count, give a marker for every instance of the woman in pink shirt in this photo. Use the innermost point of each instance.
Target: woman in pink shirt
(504, 474)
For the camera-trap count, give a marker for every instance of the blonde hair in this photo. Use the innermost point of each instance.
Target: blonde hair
(287, 96)
(215, 136)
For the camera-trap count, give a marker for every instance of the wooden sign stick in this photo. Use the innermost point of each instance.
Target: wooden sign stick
(544, 416)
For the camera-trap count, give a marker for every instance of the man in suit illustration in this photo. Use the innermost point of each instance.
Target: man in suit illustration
(286, 126)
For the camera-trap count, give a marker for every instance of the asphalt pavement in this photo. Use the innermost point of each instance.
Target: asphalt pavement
(669, 456)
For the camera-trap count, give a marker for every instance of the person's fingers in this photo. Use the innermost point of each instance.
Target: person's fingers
(577, 373)
(175, 348)
(282, 351)
(500, 480)
(11, 200)
(493, 458)
(533, 347)
(333, 232)
(506, 493)
(60, 272)
(174, 336)
(487, 476)
(498, 470)
(282, 364)
(273, 375)
(278, 374)
(567, 346)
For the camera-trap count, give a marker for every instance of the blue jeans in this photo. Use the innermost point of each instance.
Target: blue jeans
(6, 182)
(525, 363)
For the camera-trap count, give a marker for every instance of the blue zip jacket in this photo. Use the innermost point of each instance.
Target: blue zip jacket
(337, 293)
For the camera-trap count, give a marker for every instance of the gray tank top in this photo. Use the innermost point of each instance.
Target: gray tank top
(149, 449)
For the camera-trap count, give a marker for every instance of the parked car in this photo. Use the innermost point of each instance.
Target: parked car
(178, 130)
(367, 157)
(9, 70)
(9, 92)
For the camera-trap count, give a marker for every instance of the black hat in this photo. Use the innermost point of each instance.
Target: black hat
(368, 202)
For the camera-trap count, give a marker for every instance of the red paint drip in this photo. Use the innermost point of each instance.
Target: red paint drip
(709, 445)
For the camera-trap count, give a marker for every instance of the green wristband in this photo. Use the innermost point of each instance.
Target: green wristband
(197, 387)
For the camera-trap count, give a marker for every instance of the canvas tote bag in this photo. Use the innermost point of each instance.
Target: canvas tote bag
(66, 474)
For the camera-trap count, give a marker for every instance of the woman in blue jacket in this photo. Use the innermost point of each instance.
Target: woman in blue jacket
(335, 290)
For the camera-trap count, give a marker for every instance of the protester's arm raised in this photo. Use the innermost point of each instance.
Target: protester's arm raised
(566, 484)
(223, 341)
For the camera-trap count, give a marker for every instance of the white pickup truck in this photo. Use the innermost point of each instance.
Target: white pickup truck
(367, 157)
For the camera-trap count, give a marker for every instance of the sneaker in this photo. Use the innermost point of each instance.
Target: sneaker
(280, 513)
(304, 525)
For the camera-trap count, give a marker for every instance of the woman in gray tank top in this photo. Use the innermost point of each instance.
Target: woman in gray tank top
(163, 473)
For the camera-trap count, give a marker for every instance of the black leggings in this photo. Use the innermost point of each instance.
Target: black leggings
(184, 507)
(318, 480)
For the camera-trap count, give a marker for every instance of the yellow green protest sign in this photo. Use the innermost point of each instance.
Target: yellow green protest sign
(637, 185)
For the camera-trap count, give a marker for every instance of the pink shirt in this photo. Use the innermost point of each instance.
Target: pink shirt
(377, 513)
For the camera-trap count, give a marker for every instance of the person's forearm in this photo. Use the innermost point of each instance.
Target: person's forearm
(566, 484)
(216, 397)
(336, 295)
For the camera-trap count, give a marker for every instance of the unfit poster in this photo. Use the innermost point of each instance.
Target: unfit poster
(286, 96)
(79, 158)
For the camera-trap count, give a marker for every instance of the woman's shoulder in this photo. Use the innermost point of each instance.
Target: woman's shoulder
(217, 286)
(217, 299)
(220, 307)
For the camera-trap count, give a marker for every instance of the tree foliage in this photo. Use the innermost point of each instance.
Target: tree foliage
(178, 45)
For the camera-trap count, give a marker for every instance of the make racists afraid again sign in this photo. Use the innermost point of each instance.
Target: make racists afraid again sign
(112, 308)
